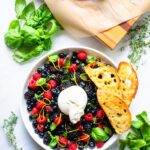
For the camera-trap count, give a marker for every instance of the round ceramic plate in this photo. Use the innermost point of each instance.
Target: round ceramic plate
(23, 107)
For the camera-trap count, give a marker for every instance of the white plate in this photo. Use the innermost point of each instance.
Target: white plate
(23, 106)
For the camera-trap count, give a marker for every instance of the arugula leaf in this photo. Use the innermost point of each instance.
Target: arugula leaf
(41, 81)
(19, 6)
(28, 11)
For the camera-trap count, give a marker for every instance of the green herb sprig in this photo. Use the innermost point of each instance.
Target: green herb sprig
(8, 126)
(30, 34)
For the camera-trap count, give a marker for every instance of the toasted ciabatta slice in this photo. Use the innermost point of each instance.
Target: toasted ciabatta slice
(116, 110)
(129, 81)
(104, 77)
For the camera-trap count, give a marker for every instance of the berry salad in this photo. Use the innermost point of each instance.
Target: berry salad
(58, 73)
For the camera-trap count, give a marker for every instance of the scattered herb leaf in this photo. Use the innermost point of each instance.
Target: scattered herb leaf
(53, 126)
(41, 81)
(84, 77)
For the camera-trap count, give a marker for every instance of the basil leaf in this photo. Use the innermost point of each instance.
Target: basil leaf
(131, 136)
(13, 39)
(90, 59)
(41, 81)
(54, 141)
(108, 130)
(145, 131)
(137, 144)
(53, 126)
(14, 25)
(143, 117)
(53, 58)
(31, 35)
(23, 54)
(53, 28)
(147, 148)
(84, 77)
(19, 6)
(28, 11)
(99, 134)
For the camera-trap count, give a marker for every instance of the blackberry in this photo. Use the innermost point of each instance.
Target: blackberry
(40, 69)
(52, 69)
(36, 131)
(74, 58)
(28, 95)
(55, 91)
(46, 138)
(58, 78)
(66, 85)
(73, 136)
(87, 127)
(81, 68)
(91, 143)
(81, 145)
(87, 110)
(82, 84)
(61, 71)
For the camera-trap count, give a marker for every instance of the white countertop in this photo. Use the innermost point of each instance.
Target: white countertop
(12, 76)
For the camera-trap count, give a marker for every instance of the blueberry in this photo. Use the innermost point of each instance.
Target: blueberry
(91, 143)
(28, 95)
(44, 75)
(41, 134)
(39, 70)
(74, 58)
(61, 71)
(34, 123)
(47, 64)
(36, 131)
(28, 102)
(29, 108)
(77, 62)
(62, 55)
(82, 84)
(87, 127)
(47, 127)
(87, 110)
(52, 69)
(30, 117)
(55, 91)
(46, 138)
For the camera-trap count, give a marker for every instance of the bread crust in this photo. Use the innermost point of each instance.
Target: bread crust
(129, 81)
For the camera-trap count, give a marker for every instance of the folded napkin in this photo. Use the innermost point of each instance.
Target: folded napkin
(90, 17)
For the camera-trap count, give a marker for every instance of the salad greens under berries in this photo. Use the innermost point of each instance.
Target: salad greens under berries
(30, 34)
(139, 138)
(58, 73)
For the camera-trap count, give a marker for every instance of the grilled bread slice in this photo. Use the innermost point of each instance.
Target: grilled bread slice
(104, 77)
(129, 81)
(116, 110)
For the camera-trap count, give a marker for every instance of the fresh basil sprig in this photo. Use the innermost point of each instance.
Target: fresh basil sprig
(34, 35)
(99, 134)
(54, 140)
(41, 81)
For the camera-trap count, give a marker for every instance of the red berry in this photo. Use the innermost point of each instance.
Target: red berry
(63, 141)
(82, 55)
(72, 146)
(58, 120)
(84, 138)
(40, 105)
(61, 61)
(100, 114)
(73, 67)
(36, 76)
(80, 127)
(101, 125)
(32, 84)
(40, 127)
(48, 109)
(48, 94)
(52, 83)
(99, 144)
(41, 119)
(35, 111)
(88, 117)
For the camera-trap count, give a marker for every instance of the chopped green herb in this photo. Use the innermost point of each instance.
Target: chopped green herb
(8, 126)
(41, 81)
(84, 77)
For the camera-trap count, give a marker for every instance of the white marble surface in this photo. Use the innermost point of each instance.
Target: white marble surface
(12, 76)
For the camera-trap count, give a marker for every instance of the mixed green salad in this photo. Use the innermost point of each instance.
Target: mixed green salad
(139, 137)
(30, 34)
